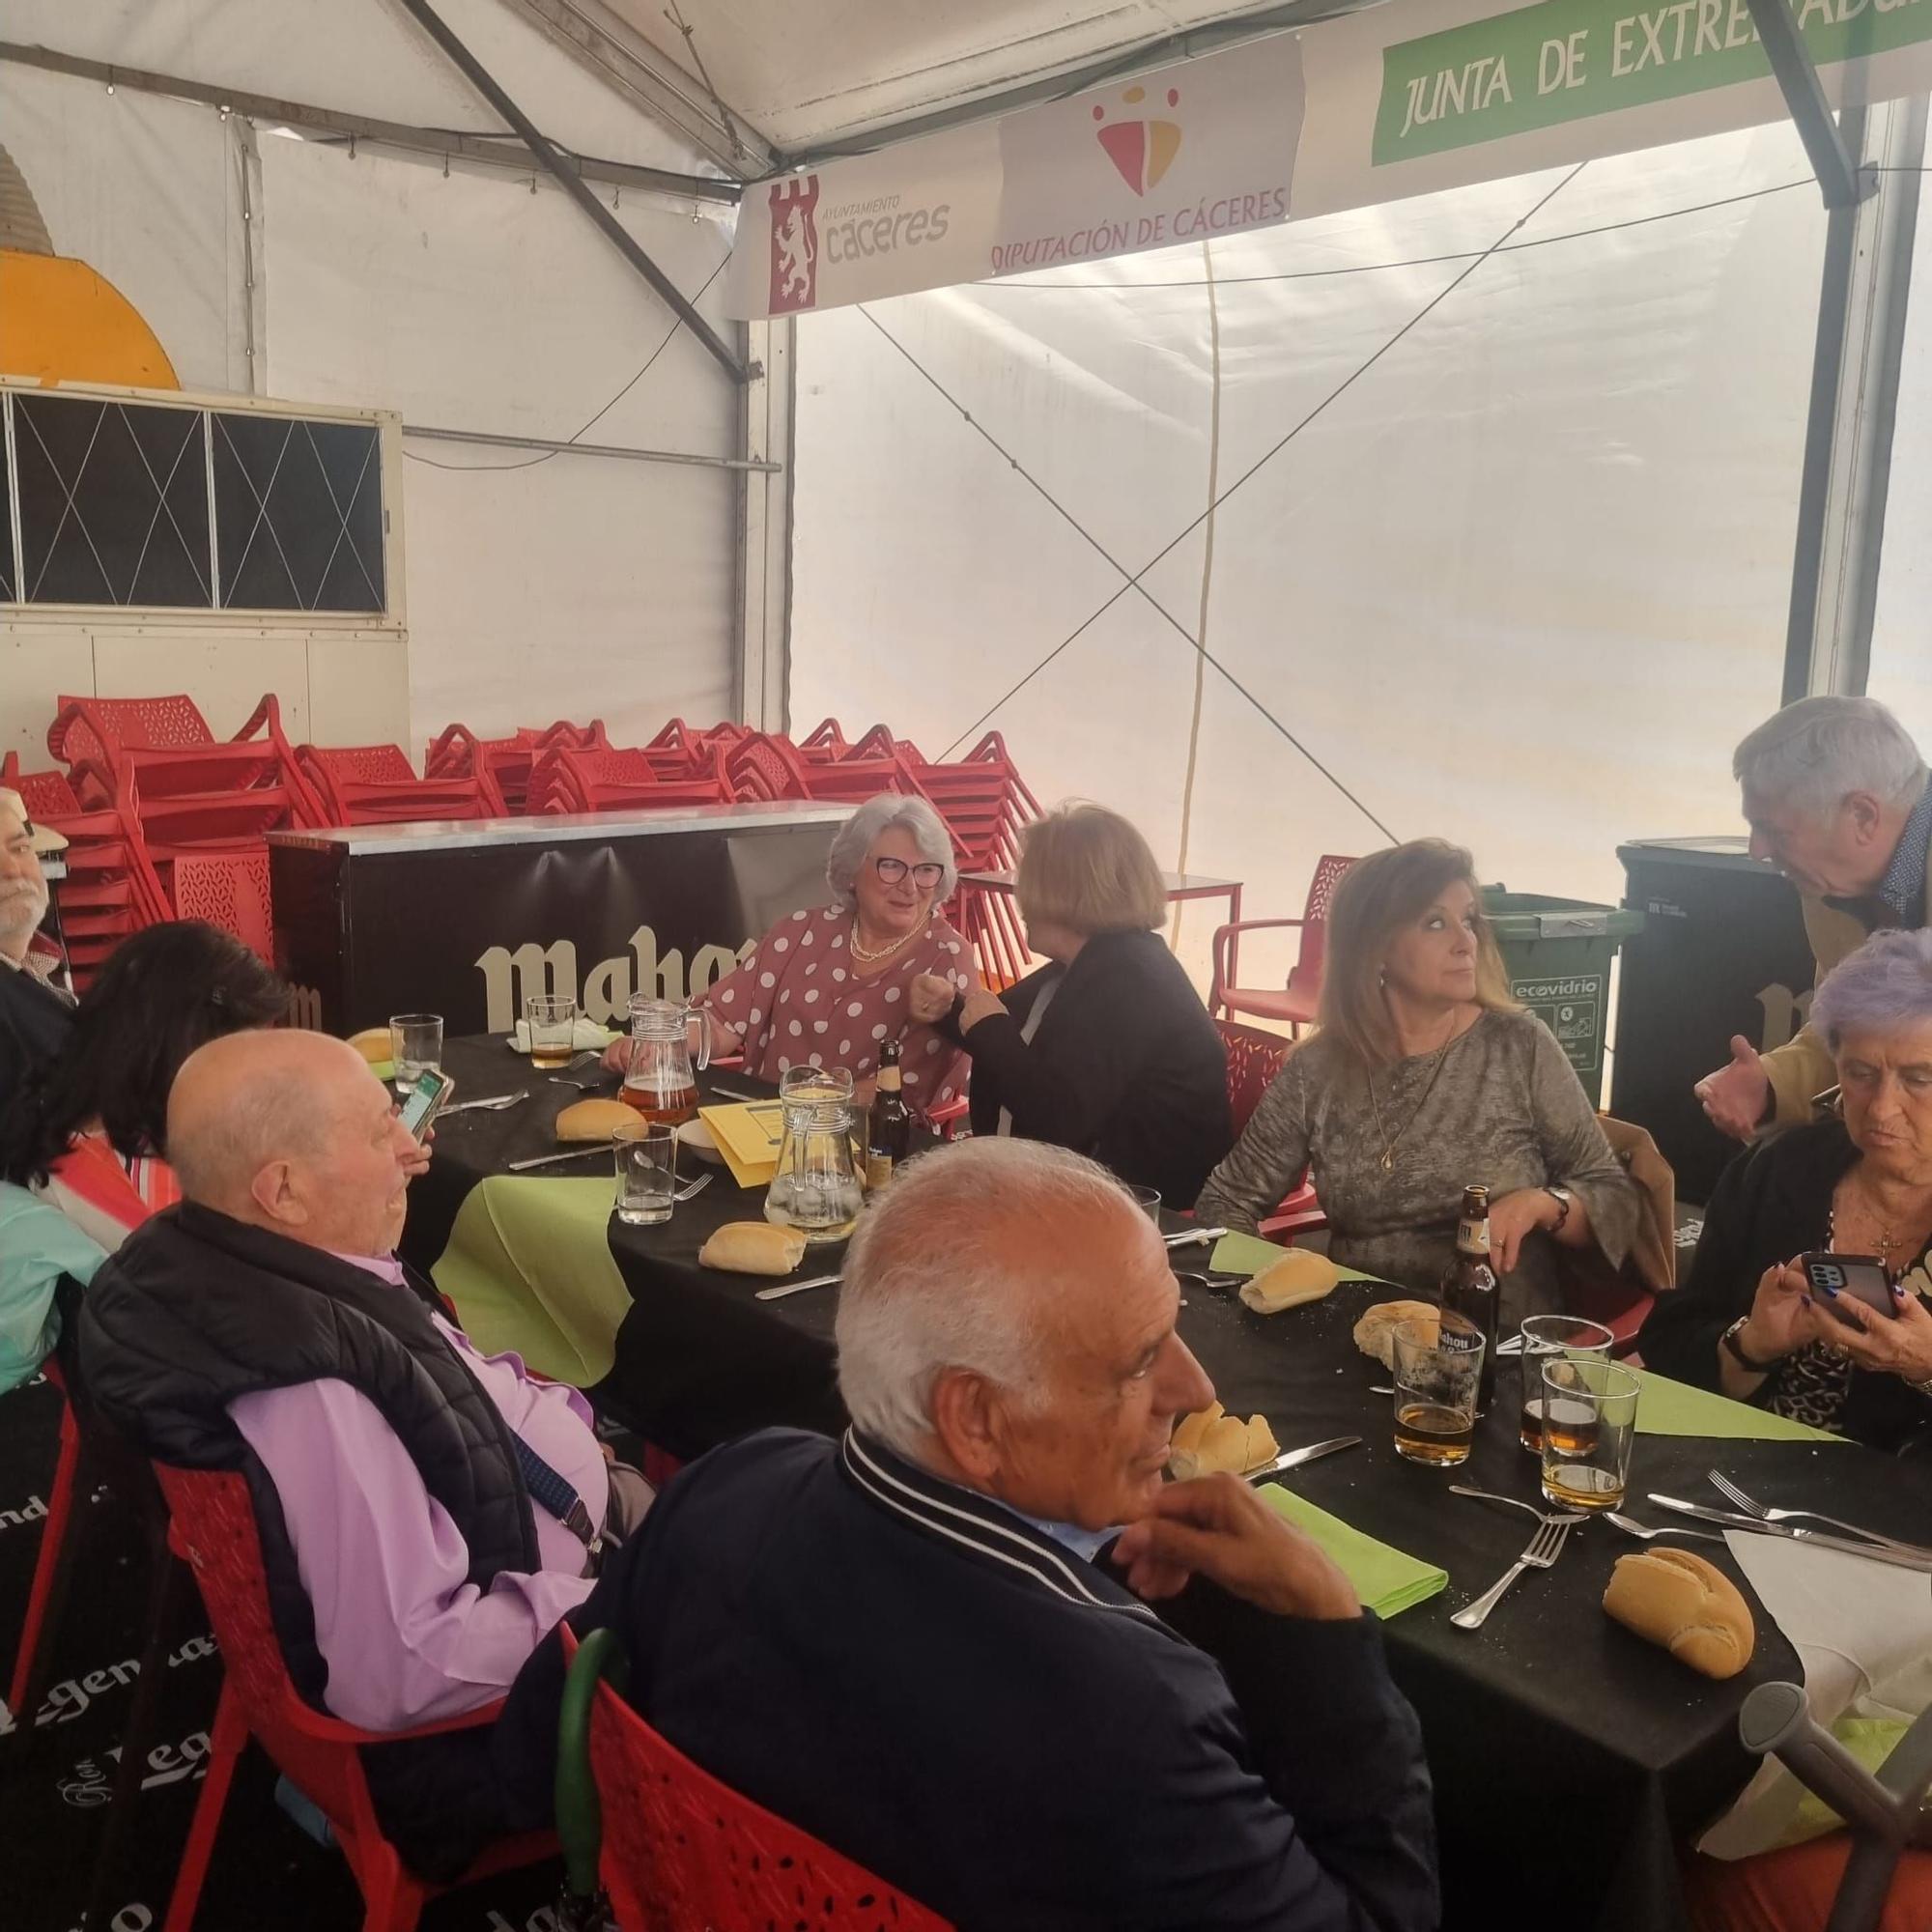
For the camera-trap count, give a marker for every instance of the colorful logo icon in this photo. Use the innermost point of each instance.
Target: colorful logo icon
(1141, 150)
(794, 264)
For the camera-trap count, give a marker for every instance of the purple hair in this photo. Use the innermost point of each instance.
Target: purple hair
(1886, 984)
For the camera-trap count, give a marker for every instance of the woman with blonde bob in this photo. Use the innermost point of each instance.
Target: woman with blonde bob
(1424, 1079)
(1107, 1049)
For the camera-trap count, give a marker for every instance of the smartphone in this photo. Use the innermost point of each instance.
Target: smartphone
(424, 1100)
(1863, 1277)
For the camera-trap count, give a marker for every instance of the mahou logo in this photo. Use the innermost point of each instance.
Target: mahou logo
(1142, 149)
(794, 243)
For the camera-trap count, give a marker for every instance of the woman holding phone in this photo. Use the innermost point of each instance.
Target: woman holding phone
(1747, 1322)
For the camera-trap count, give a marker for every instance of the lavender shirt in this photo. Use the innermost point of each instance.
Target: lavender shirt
(407, 1638)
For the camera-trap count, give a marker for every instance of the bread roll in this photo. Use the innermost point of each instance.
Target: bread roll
(1210, 1439)
(373, 1044)
(1300, 1277)
(1685, 1605)
(594, 1120)
(754, 1247)
(1375, 1332)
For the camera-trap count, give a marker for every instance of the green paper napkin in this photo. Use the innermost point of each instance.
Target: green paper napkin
(1249, 1255)
(1675, 1409)
(1386, 1580)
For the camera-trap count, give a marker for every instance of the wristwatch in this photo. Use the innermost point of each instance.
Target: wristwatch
(1562, 1197)
(1729, 1340)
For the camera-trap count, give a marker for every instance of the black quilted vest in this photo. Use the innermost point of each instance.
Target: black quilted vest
(197, 1309)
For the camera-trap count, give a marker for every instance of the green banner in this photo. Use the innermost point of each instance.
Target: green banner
(1570, 60)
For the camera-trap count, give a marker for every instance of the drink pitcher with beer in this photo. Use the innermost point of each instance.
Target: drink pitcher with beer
(661, 1082)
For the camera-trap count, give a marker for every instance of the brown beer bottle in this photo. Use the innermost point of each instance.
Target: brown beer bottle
(889, 1135)
(1469, 1287)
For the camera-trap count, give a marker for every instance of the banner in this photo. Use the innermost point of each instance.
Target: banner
(1184, 153)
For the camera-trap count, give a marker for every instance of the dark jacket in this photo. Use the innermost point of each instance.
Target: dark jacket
(1127, 1067)
(1771, 1205)
(34, 1022)
(981, 1718)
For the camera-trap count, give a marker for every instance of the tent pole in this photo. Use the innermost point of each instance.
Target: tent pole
(762, 688)
(619, 237)
(1827, 145)
(1855, 377)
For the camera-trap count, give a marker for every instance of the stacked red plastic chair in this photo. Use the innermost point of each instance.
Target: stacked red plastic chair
(571, 781)
(376, 785)
(507, 762)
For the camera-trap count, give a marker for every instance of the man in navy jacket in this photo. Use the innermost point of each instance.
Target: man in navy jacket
(908, 1643)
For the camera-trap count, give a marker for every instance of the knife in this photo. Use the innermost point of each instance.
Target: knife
(552, 1159)
(1188, 1236)
(795, 1287)
(1295, 1457)
(1899, 1559)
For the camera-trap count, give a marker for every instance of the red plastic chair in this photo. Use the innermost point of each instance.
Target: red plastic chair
(215, 1530)
(506, 764)
(677, 1849)
(376, 785)
(1298, 1000)
(567, 780)
(824, 742)
(1254, 1059)
(50, 1561)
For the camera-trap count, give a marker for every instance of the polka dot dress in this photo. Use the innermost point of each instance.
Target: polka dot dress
(797, 1003)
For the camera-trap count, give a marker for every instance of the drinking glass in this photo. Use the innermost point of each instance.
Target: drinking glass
(1148, 1200)
(1438, 1369)
(553, 1023)
(415, 1045)
(646, 1152)
(1589, 1420)
(1544, 1336)
(816, 1185)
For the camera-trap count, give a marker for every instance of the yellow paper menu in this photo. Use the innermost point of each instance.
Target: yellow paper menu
(748, 1136)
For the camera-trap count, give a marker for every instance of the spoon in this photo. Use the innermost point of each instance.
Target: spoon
(1644, 1532)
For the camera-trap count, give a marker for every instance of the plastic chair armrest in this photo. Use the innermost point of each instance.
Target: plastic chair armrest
(580, 1813)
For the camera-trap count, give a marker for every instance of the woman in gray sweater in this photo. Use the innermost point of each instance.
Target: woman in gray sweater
(1424, 1079)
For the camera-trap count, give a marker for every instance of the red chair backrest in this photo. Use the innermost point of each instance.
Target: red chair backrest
(1328, 870)
(97, 728)
(365, 764)
(1254, 1059)
(684, 1853)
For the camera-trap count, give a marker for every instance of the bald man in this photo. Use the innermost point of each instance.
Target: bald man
(427, 1513)
(910, 1643)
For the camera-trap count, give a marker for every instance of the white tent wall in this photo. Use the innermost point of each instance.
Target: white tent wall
(541, 586)
(1521, 583)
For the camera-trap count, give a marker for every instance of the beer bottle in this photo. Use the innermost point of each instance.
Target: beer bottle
(1469, 1287)
(890, 1132)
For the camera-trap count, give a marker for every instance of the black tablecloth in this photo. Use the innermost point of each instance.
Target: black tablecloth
(1569, 1758)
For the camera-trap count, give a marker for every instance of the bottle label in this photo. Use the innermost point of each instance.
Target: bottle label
(889, 1080)
(1473, 1238)
(878, 1169)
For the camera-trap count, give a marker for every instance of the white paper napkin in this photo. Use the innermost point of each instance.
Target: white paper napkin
(585, 1035)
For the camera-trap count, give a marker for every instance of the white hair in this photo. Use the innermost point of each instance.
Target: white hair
(946, 1271)
(1816, 753)
(865, 827)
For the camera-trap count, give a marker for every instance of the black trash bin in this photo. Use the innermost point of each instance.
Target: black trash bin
(1723, 951)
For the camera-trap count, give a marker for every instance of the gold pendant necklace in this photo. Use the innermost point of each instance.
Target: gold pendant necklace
(1388, 1140)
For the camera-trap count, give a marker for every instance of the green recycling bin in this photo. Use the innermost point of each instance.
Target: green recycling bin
(1557, 953)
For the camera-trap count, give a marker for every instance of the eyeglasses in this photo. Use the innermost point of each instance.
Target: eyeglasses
(926, 876)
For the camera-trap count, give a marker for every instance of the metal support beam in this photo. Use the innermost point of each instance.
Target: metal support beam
(1842, 495)
(557, 163)
(498, 439)
(764, 694)
(1832, 154)
(493, 150)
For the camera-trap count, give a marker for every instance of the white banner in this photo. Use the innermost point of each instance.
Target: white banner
(1190, 152)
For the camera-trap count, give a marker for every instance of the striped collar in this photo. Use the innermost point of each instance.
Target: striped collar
(982, 1526)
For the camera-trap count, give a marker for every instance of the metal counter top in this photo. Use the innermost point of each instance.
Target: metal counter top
(452, 835)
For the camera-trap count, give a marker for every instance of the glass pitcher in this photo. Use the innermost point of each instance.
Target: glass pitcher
(817, 1188)
(661, 1082)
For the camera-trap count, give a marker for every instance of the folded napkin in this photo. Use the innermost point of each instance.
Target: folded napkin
(1385, 1579)
(1675, 1409)
(1249, 1255)
(585, 1035)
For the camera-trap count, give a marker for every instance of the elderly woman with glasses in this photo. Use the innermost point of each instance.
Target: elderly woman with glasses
(1858, 1183)
(828, 989)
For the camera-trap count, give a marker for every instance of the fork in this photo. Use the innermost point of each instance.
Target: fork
(1734, 1495)
(1543, 1551)
(1491, 1496)
(697, 1186)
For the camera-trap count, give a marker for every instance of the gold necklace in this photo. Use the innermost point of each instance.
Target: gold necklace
(1388, 1140)
(865, 958)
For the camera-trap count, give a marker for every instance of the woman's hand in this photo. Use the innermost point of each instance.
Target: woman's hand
(929, 998)
(617, 1055)
(1899, 1343)
(1781, 1315)
(1514, 1216)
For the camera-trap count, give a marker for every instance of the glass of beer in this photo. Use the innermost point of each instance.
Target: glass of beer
(646, 1172)
(1439, 1370)
(1546, 1338)
(415, 1046)
(1589, 1422)
(553, 1023)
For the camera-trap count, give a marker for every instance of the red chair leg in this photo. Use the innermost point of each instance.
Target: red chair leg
(392, 1898)
(50, 1571)
(225, 1745)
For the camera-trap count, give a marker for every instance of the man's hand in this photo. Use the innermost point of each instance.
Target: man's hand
(1738, 1095)
(1216, 1526)
(419, 1162)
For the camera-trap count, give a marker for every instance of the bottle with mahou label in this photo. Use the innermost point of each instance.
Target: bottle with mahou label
(1470, 1285)
(890, 1131)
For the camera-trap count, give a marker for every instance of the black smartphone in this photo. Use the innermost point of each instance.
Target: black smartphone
(423, 1102)
(1863, 1277)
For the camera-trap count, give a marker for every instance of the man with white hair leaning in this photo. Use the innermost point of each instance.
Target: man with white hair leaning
(35, 1018)
(1836, 796)
(909, 1643)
